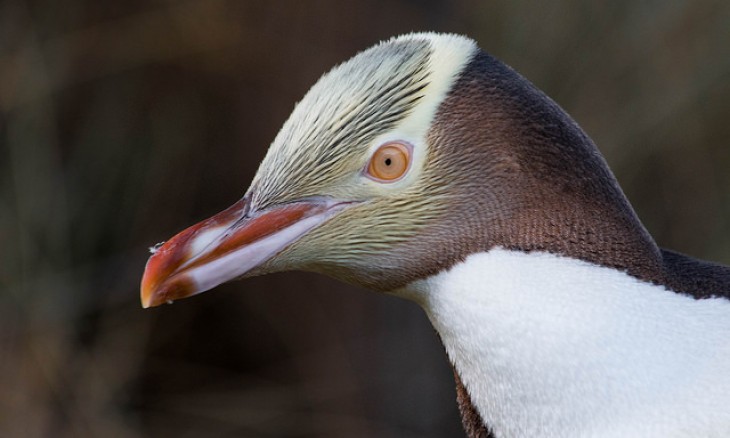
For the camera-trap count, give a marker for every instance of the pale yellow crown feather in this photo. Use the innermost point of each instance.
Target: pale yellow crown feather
(392, 89)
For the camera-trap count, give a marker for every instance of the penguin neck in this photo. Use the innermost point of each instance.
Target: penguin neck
(508, 168)
(553, 346)
(526, 177)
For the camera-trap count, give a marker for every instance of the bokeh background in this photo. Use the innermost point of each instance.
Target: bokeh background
(123, 122)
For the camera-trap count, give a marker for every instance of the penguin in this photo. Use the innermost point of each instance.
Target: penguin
(425, 168)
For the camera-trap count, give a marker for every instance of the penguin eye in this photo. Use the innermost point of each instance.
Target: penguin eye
(390, 162)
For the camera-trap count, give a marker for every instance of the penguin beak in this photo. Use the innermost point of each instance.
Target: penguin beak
(227, 246)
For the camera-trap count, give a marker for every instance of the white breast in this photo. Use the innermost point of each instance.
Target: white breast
(551, 346)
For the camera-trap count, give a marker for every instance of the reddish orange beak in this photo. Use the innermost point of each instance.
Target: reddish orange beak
(227, 246)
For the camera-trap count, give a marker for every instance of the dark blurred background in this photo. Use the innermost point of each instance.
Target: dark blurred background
(124, 122)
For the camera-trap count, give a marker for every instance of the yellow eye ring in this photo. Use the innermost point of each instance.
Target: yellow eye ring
(390, 162)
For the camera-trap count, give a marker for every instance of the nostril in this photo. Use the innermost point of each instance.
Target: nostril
(247, 206)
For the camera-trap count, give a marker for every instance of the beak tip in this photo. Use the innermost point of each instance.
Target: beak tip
(146, 302)
(149, 287)
(167, 292)
(147, 297)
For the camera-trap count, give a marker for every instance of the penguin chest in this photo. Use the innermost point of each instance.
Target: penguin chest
(552, 346)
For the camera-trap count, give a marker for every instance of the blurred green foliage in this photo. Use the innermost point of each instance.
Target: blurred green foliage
(121, 123)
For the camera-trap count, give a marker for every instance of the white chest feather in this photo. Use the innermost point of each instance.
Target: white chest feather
(554, 347)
